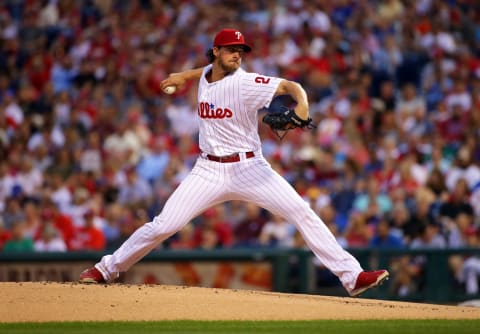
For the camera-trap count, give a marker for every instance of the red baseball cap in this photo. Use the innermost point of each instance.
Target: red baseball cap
(231, 37)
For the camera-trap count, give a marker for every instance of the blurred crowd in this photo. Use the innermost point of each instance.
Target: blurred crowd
(90, 147)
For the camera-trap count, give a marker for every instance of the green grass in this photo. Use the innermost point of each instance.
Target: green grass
(226, 327)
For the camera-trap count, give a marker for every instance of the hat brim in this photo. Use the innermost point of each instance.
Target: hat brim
(246, 48)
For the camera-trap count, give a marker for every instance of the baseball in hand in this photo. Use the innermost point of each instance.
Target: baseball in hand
(170, 89)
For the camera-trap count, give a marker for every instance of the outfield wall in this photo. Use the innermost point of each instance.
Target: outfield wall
(282, 270)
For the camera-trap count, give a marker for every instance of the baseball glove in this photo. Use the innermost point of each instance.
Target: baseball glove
(286, 120)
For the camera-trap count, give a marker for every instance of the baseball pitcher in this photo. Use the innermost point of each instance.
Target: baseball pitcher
(231, 165)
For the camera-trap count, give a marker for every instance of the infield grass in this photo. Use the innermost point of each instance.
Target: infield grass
(264, 327)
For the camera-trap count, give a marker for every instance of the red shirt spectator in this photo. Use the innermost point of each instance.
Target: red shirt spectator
(39, 69)
(88, 237)
(5, 234)
(62, 223)
(101, 47)
(213, 220)
(358, 233)
(248, 230)
(184, 238)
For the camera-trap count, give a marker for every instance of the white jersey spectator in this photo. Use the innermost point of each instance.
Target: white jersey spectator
(465, 169)
(277, 232)
(183, 118)
(50, 240)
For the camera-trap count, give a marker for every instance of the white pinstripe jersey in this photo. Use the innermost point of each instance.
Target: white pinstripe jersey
(228, 111)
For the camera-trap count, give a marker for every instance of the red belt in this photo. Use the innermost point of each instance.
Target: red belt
(229, 158)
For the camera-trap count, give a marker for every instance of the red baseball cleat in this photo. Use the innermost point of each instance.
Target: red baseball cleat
(92, 275)
(367, 280)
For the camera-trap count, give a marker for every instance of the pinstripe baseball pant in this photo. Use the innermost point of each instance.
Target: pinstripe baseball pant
(252, 180)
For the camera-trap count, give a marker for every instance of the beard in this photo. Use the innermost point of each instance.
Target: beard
(229, 67)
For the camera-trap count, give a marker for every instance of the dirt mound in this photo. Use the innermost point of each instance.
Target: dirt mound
(42, 301)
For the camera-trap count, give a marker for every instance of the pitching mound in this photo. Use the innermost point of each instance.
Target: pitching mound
(44, 301)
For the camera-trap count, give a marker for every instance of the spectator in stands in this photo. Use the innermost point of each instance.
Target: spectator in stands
(343, 193)
(384, 238)
(62, 222)
(124, 222)
(50, 240)
(436, 183)
(13, 112)
(409, 108)
(214, 227)
(5, 234)
(58, 191)
(209, 239)
(458, 202)
(30, 179)
(182, 116)
(463, 168)
(277, 233)
(18, 242)
(62, 73)
(421, 216)
(79, 206)
(459, 96)
(154, 162)
(358, 233)
(91, 154)
(430, 237)
(111, 228)
(410, 175)
(405, 277)
(184, 239)
(32, 219)
(457, 231)
(88, 237)
(329, 216)
(13, 212)
(135, 190)
(6, 184)
(248, 230)
(373, 194)
(470, 271)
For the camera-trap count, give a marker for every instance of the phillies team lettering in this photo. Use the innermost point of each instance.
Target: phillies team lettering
(208, 110)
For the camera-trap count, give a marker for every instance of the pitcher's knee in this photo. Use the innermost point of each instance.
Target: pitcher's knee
(301, 208)
(160, 227)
